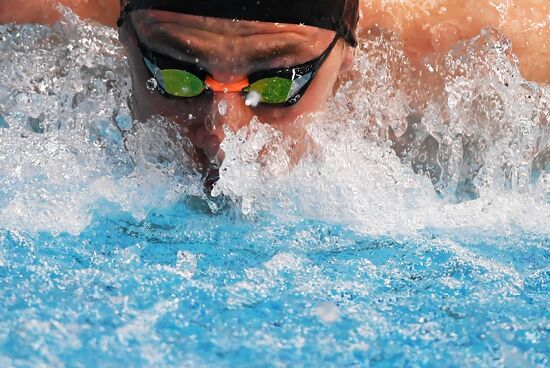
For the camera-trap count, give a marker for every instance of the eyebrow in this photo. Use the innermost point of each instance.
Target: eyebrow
(273, 52)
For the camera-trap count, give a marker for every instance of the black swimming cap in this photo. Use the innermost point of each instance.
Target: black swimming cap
(337, 15)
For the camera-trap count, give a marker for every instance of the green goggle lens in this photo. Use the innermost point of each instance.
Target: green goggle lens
(181, 83)
(272, 90)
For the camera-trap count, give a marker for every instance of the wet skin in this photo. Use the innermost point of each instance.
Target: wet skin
(229, 51)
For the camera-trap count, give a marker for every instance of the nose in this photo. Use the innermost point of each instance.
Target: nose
(226, 109)
(230, 109)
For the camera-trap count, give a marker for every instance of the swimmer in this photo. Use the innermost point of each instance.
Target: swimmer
(191, 61)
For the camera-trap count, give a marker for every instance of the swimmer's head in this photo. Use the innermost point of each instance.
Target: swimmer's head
(206, 64)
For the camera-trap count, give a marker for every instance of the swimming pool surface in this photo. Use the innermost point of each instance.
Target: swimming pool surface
(111, 255)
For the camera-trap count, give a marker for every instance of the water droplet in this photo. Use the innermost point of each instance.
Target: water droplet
(253, 99)
(151, 84)
(222, 107)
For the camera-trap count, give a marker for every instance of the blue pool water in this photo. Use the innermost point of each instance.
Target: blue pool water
(111, 254)
(185, 289)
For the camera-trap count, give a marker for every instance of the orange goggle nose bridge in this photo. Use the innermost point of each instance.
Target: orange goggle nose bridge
(226, 87)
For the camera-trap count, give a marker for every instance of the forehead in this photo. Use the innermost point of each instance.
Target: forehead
(213, 39)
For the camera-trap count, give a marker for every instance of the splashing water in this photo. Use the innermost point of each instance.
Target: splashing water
(67, 150)
(413, 231)
(483, 135)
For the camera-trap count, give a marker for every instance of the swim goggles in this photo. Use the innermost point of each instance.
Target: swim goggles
(274, 87)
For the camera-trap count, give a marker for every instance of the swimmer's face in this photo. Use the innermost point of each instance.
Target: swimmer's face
(229, 51)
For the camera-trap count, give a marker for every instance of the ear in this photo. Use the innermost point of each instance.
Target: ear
(348, 57)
